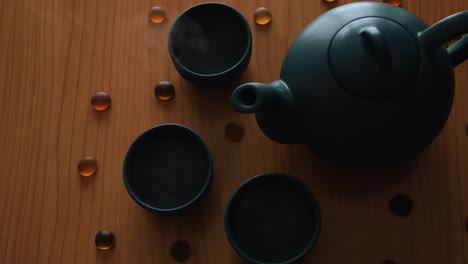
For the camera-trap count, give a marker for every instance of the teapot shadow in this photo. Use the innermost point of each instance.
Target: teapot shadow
(351, 180)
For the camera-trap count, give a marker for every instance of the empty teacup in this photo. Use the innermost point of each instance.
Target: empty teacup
(210, 44)
(272, 218)
(167, 168)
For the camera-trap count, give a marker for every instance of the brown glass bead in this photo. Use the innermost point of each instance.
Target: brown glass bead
(262, 16)
(393, 2)
(180, 251)
(104, 239)
(157, 15)
(87, 166)
(401, 205)
(234, 132)
(101, 101)
(164, 91)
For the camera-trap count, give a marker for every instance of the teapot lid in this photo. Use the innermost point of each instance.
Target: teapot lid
(374, 58)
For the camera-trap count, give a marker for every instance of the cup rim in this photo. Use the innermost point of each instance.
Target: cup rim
(128, 185)
(307, 192)
(247, 51)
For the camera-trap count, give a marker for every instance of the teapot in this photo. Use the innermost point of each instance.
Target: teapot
(365, 83)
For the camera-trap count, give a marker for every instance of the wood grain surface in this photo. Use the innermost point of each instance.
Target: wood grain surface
(55, 54)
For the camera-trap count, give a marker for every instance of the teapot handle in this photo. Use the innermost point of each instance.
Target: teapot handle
(459, 51)
(445, 30)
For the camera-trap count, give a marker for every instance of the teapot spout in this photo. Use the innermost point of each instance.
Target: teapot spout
(274, 110)
(259, 97)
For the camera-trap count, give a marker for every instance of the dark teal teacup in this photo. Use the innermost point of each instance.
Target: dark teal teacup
(210, 44)
(272, 218)
(167, 168)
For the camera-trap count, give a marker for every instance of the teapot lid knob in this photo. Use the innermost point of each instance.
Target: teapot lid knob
(374, 58)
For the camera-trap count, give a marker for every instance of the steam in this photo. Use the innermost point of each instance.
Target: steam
(188, 38)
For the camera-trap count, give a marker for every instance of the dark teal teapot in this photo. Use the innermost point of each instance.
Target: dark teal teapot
(365, 83)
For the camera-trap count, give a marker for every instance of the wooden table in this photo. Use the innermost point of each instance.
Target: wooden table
(54, 55)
